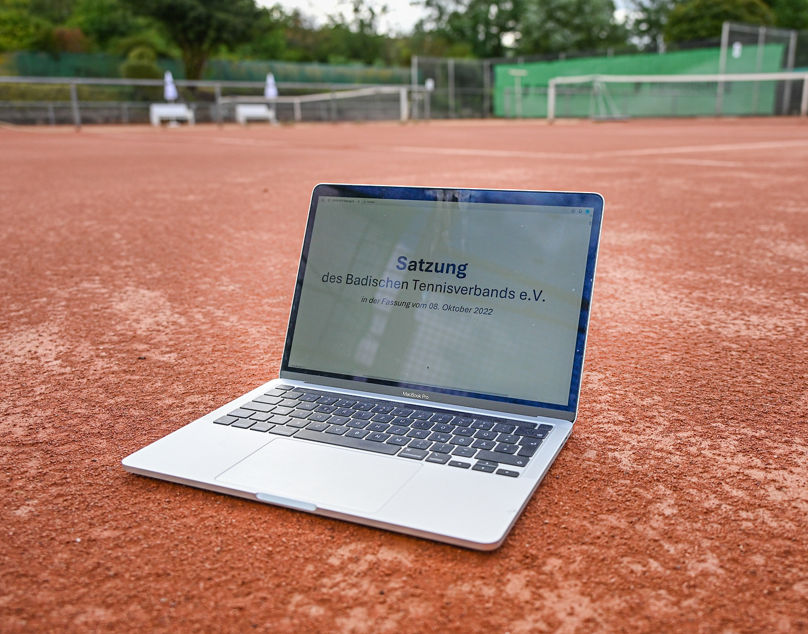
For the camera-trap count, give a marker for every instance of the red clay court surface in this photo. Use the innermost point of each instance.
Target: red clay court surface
(146, 279)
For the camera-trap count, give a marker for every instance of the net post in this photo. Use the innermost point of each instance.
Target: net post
(804, 100)
(217, 91)
(74, 105)
(403, 105)
(551, 100)
(298, 113)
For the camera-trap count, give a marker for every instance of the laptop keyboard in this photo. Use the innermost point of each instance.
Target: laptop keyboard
(457, 439)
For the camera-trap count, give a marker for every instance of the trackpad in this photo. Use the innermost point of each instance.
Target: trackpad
(323, 475)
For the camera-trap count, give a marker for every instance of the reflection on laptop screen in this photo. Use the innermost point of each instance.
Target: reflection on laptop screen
(473, 298)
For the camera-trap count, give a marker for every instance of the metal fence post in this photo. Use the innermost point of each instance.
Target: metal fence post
(74, 104)
(792, 51)
(451, 78)
(722, 67)
(487, 110)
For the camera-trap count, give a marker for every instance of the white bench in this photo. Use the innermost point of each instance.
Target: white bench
(245, 111)
(170, 111)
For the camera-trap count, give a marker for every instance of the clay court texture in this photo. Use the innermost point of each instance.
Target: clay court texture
(146, 280)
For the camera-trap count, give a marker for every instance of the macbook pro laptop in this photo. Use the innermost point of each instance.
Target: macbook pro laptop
(431, 370)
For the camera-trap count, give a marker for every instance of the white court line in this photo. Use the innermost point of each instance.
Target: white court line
(456, 151)
(703, 162)
(660, 151)
(720, 147)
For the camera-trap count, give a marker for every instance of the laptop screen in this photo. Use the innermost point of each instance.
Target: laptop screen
(477, 294)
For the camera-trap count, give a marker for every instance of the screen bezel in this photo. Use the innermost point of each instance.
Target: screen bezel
(438, 394)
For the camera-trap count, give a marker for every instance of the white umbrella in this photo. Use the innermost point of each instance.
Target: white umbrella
(169, 89)
(271, 88)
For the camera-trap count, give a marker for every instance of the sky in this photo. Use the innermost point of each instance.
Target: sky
(400, 17)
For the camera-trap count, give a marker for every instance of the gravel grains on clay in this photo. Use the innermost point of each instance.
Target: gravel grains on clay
(146, 279)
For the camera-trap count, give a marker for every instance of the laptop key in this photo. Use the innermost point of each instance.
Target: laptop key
(262, 427)
(279, 420)
(436, 437)
(464, 431)
(327, 400)
(463, 441)
(363, 406)
(462, 421)
(402, 411)
(275, 392)
(504, 428)
(483, 424)
(299, 413)
(269, 400)
(298, 423)
(507, 448)
(282, 430)
(441, 418)
(347, 441)
(443, 428)
(484, 444)
(337, 430)
(356, 433)
(460, 464)
(283, 411)
(485, 435)
(506, 472)
(241, 413)
(317, 426)
(526, 452)
(363, 415)
(502, 458)
(439, 458)
(486, 467)
(442, 447)
(398, 440)
(420, 414)
(318, 417)
(377, 427)
(421, 424)
(398, 430)
(420, 444)
(325, 409)
(417, 433)
(356, 424)
(225, 420)
(243, 423)
(413, 454)
(465, 452)
(378, 436)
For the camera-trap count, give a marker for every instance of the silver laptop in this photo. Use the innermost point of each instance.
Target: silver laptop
(431, 370)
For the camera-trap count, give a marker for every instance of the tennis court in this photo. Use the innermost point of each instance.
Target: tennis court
(146, 279)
